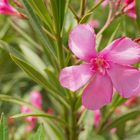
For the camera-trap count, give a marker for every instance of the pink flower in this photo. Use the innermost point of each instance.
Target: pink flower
(94, 23)
(36, 99)
(111, 66)
(6, 8)
(31, 120)
(130, 8)
(97, 117)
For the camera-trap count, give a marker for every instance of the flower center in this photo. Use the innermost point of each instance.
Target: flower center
(99, 64)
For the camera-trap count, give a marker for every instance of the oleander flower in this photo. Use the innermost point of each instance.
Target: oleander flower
(7, 9)
(130, 8)
(36, 101)
(101, 71)
(30, 120)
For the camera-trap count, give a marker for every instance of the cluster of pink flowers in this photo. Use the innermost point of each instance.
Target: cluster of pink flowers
(7, 9)
(129, 6)
(101, 71)
(36, 101)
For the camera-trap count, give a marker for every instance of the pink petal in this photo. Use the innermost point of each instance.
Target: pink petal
(75, 77)
(5, 1)
(122, 51)
(130, 9)
(126, 79)
(36, 99)
(98, 93)
(128, 1)
(82, 42)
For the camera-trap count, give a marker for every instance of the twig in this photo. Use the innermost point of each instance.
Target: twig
(74, 13)
(83, 7)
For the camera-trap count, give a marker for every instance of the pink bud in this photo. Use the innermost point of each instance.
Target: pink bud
(50, 111)
(130, 8)
(97, 117)
(113, 130)
(25, 109)
(130, 101)
(94, 23)
(7, 9)
(36, 99)
(31, 120)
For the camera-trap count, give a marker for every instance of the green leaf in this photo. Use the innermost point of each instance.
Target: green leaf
(5, 46)
(123, 119)
(45, 115)
(37, 27)
(39, 78)
(3, 128)
(40, 134)
(114, 33)
(90, 12)
(16, 101)
(41, 10)
(53, 78)
(121, 132)
(24, 34)
(58, 8)
(4, 30)
(87, 119)
(138, 12)
(33, 58)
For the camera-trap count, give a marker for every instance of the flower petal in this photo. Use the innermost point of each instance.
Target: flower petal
(82, 42)
(75, 77)
(5, 1)
(98, 93)
(122, 51)
(125, 79)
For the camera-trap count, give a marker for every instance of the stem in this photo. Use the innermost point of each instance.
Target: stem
(83, 7)
(90, 12)
(117, 101)
(74, 13)
(104, 121)
(60, 52)
(73, 119)
(108, 22)
(110, 19)
(49, 33)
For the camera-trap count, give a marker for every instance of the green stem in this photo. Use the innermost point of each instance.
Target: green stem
(108, 22)
(60, 52)
(73, 127)
(83, 7)
(82, 19)
(117, 101)
(74, 13)
(104, 120)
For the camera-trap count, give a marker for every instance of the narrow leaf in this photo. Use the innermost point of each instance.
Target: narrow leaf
(138, 12)
(40, 134)
(3, 128)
